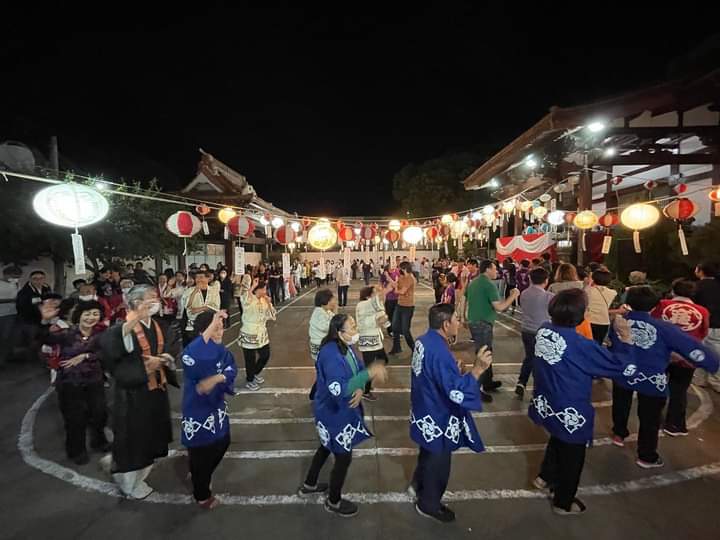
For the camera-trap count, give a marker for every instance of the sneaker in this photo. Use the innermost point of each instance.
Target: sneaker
(520, 390)
(444, 515)
(650, 464)
(576, 507)
(618, 441)
(209, 504)
(675, 432)
(252, 386)
(311, 490)
(494, 385)
(343, 508)
(486, 398)
(370, 396)
(260, 380)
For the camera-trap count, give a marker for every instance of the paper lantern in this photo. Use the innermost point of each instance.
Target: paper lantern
(296, 226)
(322, 236)
(394, 225)
(277, 222)
(585, 219)
(681, 210)
(285, 235)
(445, 231)
(570, 217)
(509, 206)
(431, 233)
(240, 226)
(446, 219)
(367, 232)
(680, 189)
(715, 195)
(609, 220)
(404, 224)
(226, 214)
(458, 229)
(540, 212)
(413, 235)
(525, 206)
(650, 185)
(637, 217)
(560, 188)
(489, 210)
(71, 205)
(346, 234)
(202, 209)
(392, 236)
(183, 224)
(557, 217)
(306, 223)
(339, 225)
(616, 181)
(265, 220)
(545, 197)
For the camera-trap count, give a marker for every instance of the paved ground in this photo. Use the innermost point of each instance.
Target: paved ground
(42, 495)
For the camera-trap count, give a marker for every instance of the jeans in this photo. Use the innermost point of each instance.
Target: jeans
(528, 339)
(342, 295)
(337, 475)
(482, 334)
(561, 469)
(402, 320)
(680, 378)
(368, 358)
(255, 361)
(649, 413)
(82, 406)
(203, 462)
(430, 479)
(390, 306)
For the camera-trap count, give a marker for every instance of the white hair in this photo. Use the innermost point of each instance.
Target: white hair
(137, 295)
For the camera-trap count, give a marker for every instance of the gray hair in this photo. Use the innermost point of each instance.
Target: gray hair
(137, 294)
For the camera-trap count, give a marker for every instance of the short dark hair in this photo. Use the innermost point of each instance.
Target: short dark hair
(683, 287)
(78, 282)
(37, 272)
(205, 273)
(66, 306)
(546, 256)
(51, 296)
(406, 267)
(438, 314)
(451, 278)
(87, 306)
(485, 265)
(260, 285)
(538, 276)
(104, 269)
(525, 263)
(366, 292)
(642, 298)
(708, 268)
(202, 321)
(594, 266)
(567, 308)
(138, 264)
(601, 277)
(323, 297)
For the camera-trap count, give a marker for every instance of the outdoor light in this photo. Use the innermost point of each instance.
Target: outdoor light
(446, 219)
(586, 219)
(291, 246)
(394, 225)
(525, 206)
(226, 214)
(70, 205)
(101, 185)
(489, 210)
(277, 222)
(556, 217)
(476, 215)
(531, 162)
(295, 226)
(357, 231)
(322, 236)
(609, 152)
(494, 183)
(509, 206)
(413, 235)
(637, 217)
(264, 221)
(596, 127)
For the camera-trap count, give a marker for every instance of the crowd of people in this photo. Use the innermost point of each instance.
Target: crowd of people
(130, 331)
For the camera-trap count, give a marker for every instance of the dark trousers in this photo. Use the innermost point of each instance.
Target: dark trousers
(431, 479)
(366, 277)
(369, 357)
(342, 295)
(82, 406)
(318, 282)
(599, 332)
(402, 319)
(528, 339)
(561, 469)
(337, 475)
(275, 291)
(482, 334)
(390, 306)
(255, 361)
(203, 462)
(649, 413)
(680, 378)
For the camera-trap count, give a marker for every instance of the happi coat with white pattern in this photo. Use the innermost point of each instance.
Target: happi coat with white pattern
(205, 416)
(564, 366)
(442, 398)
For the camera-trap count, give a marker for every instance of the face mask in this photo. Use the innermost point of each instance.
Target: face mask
(154, 308)
(125, 290)
(354, 339)
(87, 297)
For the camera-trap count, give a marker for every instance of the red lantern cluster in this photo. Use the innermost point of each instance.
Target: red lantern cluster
(346, 234)
(368, 232)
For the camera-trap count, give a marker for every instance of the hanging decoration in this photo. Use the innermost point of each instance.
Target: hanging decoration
(509, 206)
(225, 215)
(681, 210)
(585, 220)
(608, 221)
(650, 185)
(539, 212)
(680, 189)
(346, 234)
(616, 181)
(183, 225)
(367, 233)
(556, 218)
(545, 197)
(203, 210)
(394, 225)
(413, 235)
(638, 217)
(285, 235)
(240, 226)
(322, 236)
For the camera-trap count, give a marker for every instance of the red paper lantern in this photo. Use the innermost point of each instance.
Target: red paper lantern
(392, 236)
(339, 226)
(715, 194)
(346, 234)
(681, 209)
(570, 217)
(306, 223)
(202, 209)
(404, 224)
(368, 232)
(680, 189)
(240, 226)
(183, 224)
(609, 220)
(650, 185)
(616, 180)
(432, 233)
(284, 235)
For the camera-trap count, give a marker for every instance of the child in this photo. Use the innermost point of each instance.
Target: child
(653, 342)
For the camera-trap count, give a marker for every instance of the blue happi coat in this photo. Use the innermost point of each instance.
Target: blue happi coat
(204, 417)
(339, 427)
(563, 367)
(653, 342)
(442, 398)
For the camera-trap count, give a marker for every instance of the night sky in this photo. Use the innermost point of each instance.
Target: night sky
(319, 109)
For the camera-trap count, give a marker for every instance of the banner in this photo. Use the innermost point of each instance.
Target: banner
(346, 257)
(79, 254)
(286, 264)
(239, 260)
(528, 246)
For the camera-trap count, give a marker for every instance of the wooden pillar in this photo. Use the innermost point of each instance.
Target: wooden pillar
(517, 222)
(229, 256)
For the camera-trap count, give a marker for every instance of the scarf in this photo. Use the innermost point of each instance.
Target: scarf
(156, 378)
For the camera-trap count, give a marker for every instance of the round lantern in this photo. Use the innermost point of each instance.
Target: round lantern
(560, 188)
(458, 228)
(509, 206)
(525, 206)
(392, 236)
(446, 219)
(609, 220)
(240, 226)
(489, 210)
(226, 214)
(70, 205)
(277, 222)
(637, 217)
(570, 217)
(183, 224)
(296, 226)
(202, 209)
(306, 223)
(540, 212)
(650, 185)
(346, 234)
(680, 189)
(367, 232)
(285, 235)
(681, 210)
(413, 235)
(394, 225)
(585, 219)
(545, 197)
(556, 217)
(404, 224)
(445, 231)
(322, 236)
(715, 195)
(432, 233)
(616, 181)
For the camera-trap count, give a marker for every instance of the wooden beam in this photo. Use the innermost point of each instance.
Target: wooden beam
(664, 131)
(659, 158)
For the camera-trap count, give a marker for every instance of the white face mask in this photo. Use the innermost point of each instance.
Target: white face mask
(154, 308)
(87, 297)
(354, 339)
(125, 290)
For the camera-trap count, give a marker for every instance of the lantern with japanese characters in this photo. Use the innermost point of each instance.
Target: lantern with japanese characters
(608, 220)
(367, 233)
(585, 220)
(681, 210)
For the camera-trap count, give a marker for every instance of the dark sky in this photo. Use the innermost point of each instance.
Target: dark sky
(316, 107)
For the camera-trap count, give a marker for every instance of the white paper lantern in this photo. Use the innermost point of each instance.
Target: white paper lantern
(556, 218)
(539, 212)
(413, 235)
(394, 225)
(489, 210)
(71, 205)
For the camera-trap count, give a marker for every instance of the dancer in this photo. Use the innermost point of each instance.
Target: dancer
(326, 306)
(339, 419)
(371, 319)
(254, 338)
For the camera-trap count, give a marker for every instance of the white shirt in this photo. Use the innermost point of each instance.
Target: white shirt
(8, 293)
(342, 275)
(371, 334)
